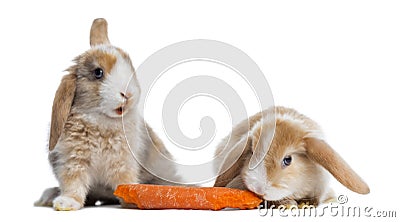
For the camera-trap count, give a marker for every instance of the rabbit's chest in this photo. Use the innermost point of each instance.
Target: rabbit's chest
(110, 158)
(103, 149)
(110, 149)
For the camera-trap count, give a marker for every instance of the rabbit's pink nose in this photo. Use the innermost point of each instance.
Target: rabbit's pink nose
(126, 95)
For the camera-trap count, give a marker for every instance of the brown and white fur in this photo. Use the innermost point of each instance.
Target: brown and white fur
(94, 118)
(295, 136)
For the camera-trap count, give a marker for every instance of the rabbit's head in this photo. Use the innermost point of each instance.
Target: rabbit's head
(297, 161)
(101, 82)
(105, 78)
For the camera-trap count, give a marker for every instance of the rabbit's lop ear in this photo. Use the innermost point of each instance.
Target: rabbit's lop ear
(98, 33)
(261, 142)
(320, 152)
(240, 150)
(61, 107)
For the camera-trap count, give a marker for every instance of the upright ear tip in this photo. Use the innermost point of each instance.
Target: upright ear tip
(100, 21)
(98, 32)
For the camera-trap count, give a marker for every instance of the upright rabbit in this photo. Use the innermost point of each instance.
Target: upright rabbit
(96, 125)
(295, 166)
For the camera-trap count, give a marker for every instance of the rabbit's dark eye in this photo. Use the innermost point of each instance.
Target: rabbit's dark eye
(98, 73)
(286, 161)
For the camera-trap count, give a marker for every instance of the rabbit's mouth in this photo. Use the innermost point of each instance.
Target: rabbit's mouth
(120, 110)
(123, 108)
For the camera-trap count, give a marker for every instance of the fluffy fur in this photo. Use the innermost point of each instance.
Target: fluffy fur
(305, 179)
(96, 125)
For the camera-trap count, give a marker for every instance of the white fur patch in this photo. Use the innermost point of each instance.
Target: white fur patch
(289, 117)
(257, 182)
(255, 127)
(121, 79)
(256, 179)
(274, 193)
(64, 203)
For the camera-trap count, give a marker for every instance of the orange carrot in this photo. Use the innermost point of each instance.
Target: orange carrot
(147, 196)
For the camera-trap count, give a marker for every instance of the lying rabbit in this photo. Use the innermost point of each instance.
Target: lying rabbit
(296, 163)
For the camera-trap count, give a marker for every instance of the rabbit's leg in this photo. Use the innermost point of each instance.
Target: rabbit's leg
(74, 182)
(123, 172)
(46, 200)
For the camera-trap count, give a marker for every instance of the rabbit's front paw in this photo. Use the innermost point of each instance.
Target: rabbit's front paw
(64, 203)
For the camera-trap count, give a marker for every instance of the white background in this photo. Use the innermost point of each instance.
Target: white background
(336, 62)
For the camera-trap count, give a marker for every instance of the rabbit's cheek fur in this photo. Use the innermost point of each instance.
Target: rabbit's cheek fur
(276, 193)
(256, 179)
(119, 90)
